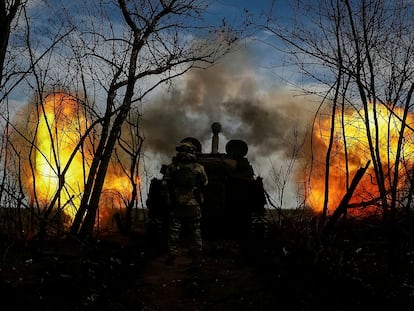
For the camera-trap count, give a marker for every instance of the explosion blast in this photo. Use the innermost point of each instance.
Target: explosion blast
(59, 124)
(350, 151)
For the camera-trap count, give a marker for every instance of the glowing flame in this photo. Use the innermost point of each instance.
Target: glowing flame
(358, 154)
(60, 126)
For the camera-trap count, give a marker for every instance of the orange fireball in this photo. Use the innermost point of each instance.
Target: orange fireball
(60, 122)
(350, 151)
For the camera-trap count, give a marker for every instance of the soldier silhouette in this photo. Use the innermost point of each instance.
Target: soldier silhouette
(185, 179)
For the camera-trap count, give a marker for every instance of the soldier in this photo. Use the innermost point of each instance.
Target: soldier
(185, 178)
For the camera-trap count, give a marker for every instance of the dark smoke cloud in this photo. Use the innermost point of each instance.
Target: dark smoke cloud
(232, 94)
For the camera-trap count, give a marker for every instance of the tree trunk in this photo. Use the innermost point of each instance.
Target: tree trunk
(343, 205)
(86, 230)
(6, 19)
(88, 224)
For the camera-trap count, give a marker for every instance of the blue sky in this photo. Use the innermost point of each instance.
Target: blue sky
(249, 84)
(234, 11)
(233, 8)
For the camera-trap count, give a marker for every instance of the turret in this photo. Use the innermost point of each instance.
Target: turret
(215, 128)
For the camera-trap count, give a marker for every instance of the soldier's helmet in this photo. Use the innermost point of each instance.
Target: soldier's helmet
(185, 147)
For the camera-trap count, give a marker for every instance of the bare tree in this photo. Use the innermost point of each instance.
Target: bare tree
(157, 45)
(130, 147)
(347, 47)
(8, 12)
(20, 64)
(110, 58)
(362, 52)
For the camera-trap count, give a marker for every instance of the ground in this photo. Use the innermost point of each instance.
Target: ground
(127, 273)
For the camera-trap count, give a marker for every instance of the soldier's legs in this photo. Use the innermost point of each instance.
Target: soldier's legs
(195, 241)
(174, 229)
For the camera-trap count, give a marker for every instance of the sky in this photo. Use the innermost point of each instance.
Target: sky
(254, 91)
(244, 92)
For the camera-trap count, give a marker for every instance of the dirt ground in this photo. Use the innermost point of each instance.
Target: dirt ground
(125, 273)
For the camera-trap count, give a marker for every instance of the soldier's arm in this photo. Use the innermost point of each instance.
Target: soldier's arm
(203, 177)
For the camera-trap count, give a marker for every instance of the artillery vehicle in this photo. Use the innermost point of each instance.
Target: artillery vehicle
(234, 199)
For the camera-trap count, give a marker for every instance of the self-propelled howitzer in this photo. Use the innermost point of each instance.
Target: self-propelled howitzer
(234, 198)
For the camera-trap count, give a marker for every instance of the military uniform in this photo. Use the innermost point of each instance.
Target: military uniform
(185, 177)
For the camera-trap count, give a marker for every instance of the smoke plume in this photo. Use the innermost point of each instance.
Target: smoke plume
(230, 92)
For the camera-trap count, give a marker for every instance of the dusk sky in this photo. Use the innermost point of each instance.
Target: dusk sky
(249, 91)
